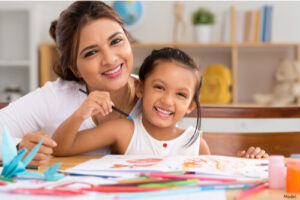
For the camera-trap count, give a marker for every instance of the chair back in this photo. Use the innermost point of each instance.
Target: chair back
(3, 104)
(224, 143)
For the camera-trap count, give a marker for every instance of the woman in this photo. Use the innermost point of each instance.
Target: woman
(94, 55)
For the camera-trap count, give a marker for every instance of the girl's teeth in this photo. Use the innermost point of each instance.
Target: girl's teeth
(113, 71)
(164, 111)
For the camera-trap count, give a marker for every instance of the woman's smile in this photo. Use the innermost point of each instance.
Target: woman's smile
(113, 73)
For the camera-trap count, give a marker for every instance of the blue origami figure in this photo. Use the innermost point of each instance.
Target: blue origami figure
(13, 165)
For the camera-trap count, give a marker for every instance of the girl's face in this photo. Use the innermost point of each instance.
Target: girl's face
(104, 58)
(167, 94)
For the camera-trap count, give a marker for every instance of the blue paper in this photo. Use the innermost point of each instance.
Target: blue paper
(13, 164)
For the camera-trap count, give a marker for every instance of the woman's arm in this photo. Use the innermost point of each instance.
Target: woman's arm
(25, 120)
(204, 149)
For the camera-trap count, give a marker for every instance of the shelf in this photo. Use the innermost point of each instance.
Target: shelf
(252, 65)
(142, 45)
(14, 63)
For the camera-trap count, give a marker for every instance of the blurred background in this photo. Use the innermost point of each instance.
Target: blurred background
(245, 40)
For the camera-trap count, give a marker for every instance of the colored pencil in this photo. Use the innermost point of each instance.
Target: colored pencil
(251, 191)
(2, 178)
(144, 182)
(123, 189)
(170, 183)
(113, 107)
(187, 176)
(27, 167)
(186, 190)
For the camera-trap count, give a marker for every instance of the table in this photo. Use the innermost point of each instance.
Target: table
(271, 194)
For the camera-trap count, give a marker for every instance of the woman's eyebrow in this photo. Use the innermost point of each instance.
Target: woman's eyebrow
(88, 47)
(93, 46)
(113, 35)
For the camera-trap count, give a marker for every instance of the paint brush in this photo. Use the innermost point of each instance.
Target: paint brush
(113, 107)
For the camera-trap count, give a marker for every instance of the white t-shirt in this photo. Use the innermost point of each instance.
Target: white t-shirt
(46, 108)
(142, 143)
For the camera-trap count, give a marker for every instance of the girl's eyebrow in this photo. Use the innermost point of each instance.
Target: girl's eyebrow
(161, 81)
(93, 46)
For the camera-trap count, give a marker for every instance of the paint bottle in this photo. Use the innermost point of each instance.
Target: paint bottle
(293, 175)
(276, 172)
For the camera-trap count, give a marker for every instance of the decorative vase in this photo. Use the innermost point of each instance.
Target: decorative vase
(203, 33)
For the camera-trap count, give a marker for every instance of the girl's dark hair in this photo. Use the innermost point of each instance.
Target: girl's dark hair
(66, 33)
(175, 55)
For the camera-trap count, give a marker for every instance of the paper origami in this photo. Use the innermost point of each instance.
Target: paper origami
(13, 165)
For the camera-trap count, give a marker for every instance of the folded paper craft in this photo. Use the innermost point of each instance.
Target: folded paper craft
(13, 165)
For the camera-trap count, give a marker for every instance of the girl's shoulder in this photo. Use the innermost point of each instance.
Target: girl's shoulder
(120, 124)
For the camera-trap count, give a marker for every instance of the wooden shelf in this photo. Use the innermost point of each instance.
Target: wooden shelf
(252, 64)
(139, 45)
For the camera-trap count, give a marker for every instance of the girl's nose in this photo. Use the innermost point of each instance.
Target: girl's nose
(167, 99)
(109, 57)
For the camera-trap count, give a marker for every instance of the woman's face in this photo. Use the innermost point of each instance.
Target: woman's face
(104, 58)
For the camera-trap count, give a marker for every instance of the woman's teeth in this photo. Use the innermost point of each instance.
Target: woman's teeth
(113, 71)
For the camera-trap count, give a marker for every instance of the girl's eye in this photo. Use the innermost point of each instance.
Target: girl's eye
(90, 53)
(158, 87)
(116, 41)
(181, 94)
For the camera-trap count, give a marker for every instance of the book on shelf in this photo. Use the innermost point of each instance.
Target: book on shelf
(248, 26)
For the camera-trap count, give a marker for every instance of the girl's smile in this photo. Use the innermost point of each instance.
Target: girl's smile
(164, 113)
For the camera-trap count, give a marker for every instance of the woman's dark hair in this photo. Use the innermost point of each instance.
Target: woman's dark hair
(175, 55)
(66, 33)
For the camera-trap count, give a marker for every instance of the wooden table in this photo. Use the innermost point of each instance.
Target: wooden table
(271, 194)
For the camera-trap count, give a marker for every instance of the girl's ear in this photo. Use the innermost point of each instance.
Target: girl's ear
(191, 107)
(138, 88)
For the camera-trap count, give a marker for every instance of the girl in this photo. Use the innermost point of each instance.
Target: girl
(169, 87)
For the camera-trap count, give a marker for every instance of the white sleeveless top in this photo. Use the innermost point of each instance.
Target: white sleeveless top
(142, 143)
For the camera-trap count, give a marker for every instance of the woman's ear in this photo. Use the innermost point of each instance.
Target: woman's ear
(191, 107)
(75, 72)
(138, 88)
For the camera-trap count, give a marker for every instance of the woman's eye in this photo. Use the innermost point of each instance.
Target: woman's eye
(90, 53)
(116, 41)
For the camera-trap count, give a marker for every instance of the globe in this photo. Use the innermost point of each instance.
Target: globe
(130, 11)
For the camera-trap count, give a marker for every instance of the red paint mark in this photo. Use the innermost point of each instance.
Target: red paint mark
(145, 160)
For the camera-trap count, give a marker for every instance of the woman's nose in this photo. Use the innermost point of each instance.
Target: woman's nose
(109, 57)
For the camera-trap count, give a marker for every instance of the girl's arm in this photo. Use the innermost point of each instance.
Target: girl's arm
(66, 134)
(204, 149)
(70, 142)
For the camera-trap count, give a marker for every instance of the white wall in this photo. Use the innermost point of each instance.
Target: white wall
(157, 23)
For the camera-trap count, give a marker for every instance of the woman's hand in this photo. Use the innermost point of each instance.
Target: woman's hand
(42, 156)
(253, 152)
(96, 102)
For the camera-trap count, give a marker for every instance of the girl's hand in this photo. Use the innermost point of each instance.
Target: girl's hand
(96, 102)
(253, 152)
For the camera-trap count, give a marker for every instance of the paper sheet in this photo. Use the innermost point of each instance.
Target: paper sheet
(218, 165)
